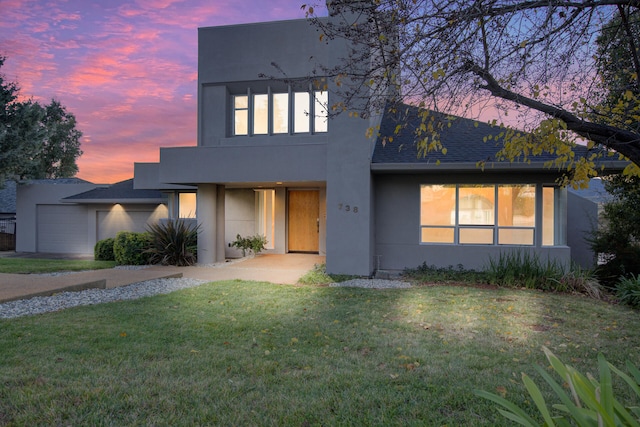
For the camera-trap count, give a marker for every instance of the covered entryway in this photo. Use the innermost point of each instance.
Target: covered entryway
(303, 207)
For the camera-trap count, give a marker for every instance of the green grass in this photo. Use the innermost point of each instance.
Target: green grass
(33, 265)
(248, 353)
(319, 276)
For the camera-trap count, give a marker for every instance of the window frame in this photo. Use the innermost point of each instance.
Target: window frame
(313, 117)
(459, 229)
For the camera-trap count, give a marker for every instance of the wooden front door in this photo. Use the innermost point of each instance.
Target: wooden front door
(304, 215)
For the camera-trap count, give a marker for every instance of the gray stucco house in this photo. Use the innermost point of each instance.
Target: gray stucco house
(269, 161)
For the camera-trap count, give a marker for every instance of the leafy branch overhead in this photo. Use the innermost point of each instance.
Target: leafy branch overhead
(569, 71)
(36, 142)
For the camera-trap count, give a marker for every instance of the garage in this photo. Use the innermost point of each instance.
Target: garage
(119, 219)
(62, 229)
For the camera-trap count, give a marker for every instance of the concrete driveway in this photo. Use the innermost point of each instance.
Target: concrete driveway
(285, 269)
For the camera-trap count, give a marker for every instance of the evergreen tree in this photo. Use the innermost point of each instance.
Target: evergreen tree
(36, 141)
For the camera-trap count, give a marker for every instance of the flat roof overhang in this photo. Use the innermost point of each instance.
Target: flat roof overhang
(607, 167)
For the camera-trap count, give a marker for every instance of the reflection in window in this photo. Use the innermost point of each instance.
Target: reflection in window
(260, 114)
(302, 123)
(321, 110)
(265, 215)
(467, 214)
(476, 205)
(280, 113)
(241, 114)
(187, 205)
(548, 215)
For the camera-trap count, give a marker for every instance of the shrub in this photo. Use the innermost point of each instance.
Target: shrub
(628, 290)
(579, 280)
(618, 234)
(174, 242)
(584, 400)
(433, 274)
(130, 248)
(103, 251)
(319, 276)
(522, 269)
(252, 243)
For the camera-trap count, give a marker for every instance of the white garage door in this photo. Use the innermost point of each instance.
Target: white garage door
(110, 223)
(62, 229)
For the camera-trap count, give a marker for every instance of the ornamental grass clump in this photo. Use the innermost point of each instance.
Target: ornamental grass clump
(173, 242)
(628, 290)
(524, 270)
(583, 400)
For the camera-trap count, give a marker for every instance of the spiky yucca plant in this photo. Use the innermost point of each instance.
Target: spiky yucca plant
(174, 242)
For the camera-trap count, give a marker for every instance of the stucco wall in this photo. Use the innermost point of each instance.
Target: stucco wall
(239, 217)
(263, 163)
(582, 218)
(241, 52)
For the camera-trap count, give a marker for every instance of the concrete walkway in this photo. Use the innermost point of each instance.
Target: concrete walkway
(285, 269)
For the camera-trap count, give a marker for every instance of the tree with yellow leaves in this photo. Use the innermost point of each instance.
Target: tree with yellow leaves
(564, 72)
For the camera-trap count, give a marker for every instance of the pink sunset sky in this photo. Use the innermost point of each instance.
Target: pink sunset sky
(127, 69)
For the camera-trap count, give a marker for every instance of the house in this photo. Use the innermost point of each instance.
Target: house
(269, 161)
(70, 215)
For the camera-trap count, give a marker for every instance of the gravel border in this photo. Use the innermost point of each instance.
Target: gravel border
(38, 305)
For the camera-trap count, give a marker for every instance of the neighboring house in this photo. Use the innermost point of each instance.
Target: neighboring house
(71, 215)
(584, 209)
(268, 161)
(8, 216)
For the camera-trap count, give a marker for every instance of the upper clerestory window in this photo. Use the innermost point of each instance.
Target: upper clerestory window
(280, 113)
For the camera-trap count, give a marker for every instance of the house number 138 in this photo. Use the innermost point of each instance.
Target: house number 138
(347, 208)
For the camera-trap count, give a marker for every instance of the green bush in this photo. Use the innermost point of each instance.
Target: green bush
(103, 251)
(584, 400)
(617, 236)
(579, 280)
(130, 248)
(252, 243)
(433, 274)
(173, 242)
(628, 290)
(319, 276)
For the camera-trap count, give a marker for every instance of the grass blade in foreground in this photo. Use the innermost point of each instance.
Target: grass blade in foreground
(602, 407)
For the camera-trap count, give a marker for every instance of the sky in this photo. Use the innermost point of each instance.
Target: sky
(127, 69)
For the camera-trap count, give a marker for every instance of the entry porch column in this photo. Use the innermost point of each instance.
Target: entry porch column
(210, 214)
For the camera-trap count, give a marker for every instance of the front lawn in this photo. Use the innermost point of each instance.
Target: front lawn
(36, 265)
(247, 353)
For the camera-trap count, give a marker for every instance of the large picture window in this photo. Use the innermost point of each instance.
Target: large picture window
(280, 113)
(480, 214)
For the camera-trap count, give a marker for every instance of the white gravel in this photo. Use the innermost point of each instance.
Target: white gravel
(64, 300)
(38, 305)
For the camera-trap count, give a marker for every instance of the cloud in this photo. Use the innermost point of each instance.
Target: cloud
(126, 69)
